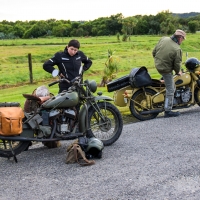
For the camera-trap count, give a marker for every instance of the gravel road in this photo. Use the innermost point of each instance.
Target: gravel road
(157, 159)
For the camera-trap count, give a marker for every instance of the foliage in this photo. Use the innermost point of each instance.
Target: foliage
(128, 25)
(162, 23)
(193, 26)
(111, 68)
(124, 37)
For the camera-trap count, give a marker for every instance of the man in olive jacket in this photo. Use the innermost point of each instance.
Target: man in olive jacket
(168, 57)
(69, 62)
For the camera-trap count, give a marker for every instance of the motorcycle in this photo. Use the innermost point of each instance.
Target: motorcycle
(66, 116)
(145, 96)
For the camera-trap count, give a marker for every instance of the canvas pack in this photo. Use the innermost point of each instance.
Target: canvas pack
(11, 120)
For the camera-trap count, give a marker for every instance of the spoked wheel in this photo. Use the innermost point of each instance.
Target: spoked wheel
(10, 148)
(138, 103)
(107, 128)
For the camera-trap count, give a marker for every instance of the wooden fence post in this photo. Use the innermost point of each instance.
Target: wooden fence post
(30, 68)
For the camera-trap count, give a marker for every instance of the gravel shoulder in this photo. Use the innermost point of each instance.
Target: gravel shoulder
(155, 159)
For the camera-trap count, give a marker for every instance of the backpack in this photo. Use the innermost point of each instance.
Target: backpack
(75, 154)
(11, 121)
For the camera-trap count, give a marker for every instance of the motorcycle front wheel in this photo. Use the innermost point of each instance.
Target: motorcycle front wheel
(138, 103)
(107, 127)
(10, 148)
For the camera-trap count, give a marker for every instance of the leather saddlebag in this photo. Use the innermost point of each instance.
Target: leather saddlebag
(11, 120)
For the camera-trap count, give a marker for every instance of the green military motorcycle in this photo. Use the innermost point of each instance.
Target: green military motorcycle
(65, 116)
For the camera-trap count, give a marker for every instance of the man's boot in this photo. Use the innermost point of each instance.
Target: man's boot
(171, 114)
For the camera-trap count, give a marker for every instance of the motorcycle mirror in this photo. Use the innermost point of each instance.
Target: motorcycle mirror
(55, 73)
(80, 70)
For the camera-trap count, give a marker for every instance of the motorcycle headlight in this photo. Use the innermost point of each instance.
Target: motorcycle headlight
(92, 86)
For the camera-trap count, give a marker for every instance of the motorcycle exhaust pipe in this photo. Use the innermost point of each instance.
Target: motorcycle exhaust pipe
(154, 111)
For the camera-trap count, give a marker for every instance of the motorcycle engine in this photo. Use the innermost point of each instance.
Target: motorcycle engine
(182, 95)
(66, 121)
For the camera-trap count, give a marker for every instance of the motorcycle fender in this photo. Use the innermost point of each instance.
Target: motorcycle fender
(106, 98)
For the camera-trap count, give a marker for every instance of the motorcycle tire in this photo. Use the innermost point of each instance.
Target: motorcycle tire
(135, 105)
(17, 147)
(197, 95)
(107, 131)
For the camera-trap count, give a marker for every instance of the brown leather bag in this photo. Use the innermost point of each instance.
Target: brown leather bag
(11, 120)
(76, 154)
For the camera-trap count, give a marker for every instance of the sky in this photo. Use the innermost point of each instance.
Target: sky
(75, 10)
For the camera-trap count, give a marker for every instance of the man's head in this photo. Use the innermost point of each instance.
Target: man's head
(74, 43)
(73, 47)
(180, 33)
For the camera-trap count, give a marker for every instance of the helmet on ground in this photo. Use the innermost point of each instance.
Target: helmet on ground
(95, 147)
(192, 63)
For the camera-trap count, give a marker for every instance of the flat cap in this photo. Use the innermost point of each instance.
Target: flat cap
(181, 33)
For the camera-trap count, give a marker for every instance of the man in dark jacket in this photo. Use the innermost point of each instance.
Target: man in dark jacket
(69, 62)
(168, 57)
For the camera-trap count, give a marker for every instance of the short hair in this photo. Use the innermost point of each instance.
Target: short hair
(74, 43)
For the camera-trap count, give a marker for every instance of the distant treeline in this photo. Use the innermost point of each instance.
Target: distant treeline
(162, 23)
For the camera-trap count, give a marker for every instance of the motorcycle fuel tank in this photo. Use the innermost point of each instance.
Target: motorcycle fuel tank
(64, 99)
(182, 80)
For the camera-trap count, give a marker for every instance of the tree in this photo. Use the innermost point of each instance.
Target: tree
(39, 29)
(128, 25)
(193, 26)
(87, 28)
(167, 27)
(18, 30)
(114, 24)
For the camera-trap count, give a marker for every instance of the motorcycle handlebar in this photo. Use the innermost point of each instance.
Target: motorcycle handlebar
(75, 79)
(62, 80)
(53, 83)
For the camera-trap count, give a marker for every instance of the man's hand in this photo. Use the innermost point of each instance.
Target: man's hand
(61, 75)
(180, 73)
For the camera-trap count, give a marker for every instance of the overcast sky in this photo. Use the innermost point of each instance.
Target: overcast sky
(74, 10)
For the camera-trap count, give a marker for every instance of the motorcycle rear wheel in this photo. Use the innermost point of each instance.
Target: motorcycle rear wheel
(107, 131)
(197, 95)
(136, 107)
(17, 147)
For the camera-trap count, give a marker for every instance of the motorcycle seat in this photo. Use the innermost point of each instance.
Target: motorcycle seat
(31, 97)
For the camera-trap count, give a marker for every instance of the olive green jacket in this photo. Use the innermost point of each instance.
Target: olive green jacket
(167, 56)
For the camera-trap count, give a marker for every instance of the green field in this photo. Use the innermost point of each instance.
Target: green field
(15, 80)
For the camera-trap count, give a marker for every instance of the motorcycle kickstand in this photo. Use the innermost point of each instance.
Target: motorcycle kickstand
(15, 158)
